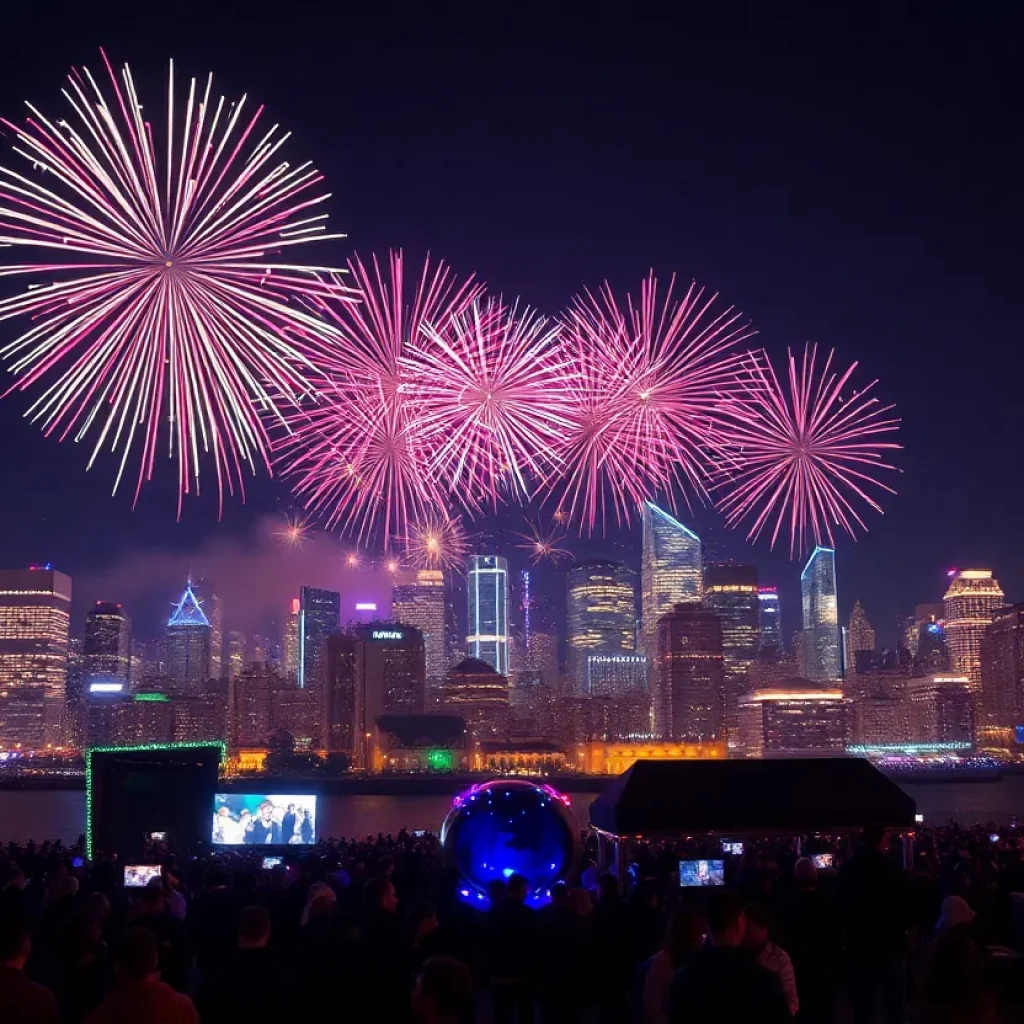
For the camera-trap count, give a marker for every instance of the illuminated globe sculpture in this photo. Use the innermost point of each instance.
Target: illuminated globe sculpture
(510, 826)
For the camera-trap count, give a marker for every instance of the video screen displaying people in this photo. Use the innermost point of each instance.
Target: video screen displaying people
(137, 876)
(693, 873)
(260, 819)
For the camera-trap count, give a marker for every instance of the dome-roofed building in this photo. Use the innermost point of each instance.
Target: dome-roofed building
(474, 691)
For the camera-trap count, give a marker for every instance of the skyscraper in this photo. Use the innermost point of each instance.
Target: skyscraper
(187, 644)
(690, 675)
(797, 718)
(1001, 656)
(319, 616)
(670, 572)
(213, 608)
(601, 605)
(420, 603)
(769, 620)
(237, 646)
(731, 592)
(35, 606)
(941, 710)
(106, 647)
(343, 722)
(860, 638)
(290, 643)
(969, 603)
(394, 670)
(821, 617)
(487, 593)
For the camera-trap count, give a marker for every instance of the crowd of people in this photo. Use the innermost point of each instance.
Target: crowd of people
(379, 929)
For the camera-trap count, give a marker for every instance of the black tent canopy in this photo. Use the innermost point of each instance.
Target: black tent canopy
(670, 799)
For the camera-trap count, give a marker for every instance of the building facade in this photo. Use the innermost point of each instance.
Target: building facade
(860, 639)
(187, 644)
(601, 615)
(689, 699)
(343, 719)
(421, 603)
(820, 635)
(1001, 656)
(969, 604)
(478, 694)
(35, 612)
(769, 618)
(106, 647)
(797, 719)
(941, 711)
(290, 643)
(319, 617)
(487, 592)
(731, 592)
(671, 571)
(611, 675)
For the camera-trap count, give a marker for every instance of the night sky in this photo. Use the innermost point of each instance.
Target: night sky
(847, 178)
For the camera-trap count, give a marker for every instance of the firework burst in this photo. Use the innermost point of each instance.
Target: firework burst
(356, 454)
(648, 379)
(544, 546)
(166, 315)
(490, 388)
(293, 532)
(803, 455)
(437, 542)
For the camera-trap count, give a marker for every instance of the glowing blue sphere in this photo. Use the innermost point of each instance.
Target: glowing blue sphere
(510, 826)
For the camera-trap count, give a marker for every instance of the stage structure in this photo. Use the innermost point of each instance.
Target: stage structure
(159, 787)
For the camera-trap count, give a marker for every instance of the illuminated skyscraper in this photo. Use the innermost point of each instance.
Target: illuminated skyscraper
(1002, 673)
(487, 594)
(671, 571)
(394, 670)
(942, 711)
(769, 619)
(601, 603)
(35, 607)
(613, 675)
(290, 644)
(820, 637)
(795, 719)
(106, 647)
(689, 700)
(236, 648)
(860, 637)
(969, 603)
(319, 616)
(187, 644)
(420, 603)
(213, 608)
(730, 591)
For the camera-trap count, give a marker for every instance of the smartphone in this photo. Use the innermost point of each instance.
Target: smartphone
(419, 831)
(701, 873)
(822, 860)
(156, 837)
(993, 837)
(138, 876)
(272, 862)
(919, 818)
(735, 848)
(77, 862)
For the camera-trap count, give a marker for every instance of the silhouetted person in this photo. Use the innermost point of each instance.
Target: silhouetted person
(20, 999)
(151, 912)
(721, 981)
(876, 913)
(252, 984)
(613, 924)
(811, 937)
(443, 992)
(510, 943)
(139, 996)
(383, 954)
(211, 919)
(769, 954)
(683, 938)
(953, 987)
(567, 954)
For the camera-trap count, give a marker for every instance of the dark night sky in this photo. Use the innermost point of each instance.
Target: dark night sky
(850, 178)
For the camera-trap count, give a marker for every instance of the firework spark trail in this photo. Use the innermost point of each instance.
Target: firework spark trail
(355, 452)
(544, 546)
(490, 389)
(649, 378)
(802, 455)
(169, 300)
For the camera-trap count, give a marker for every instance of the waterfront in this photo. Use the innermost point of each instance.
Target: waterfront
(53, 814)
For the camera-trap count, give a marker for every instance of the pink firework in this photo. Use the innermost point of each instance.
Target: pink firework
(162, 313)
(805, 455)
(649, 378)
(356, 453)
(544, 546)
(437, 541)
(491, 400)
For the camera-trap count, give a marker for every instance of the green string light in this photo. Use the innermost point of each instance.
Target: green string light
(193, 745)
